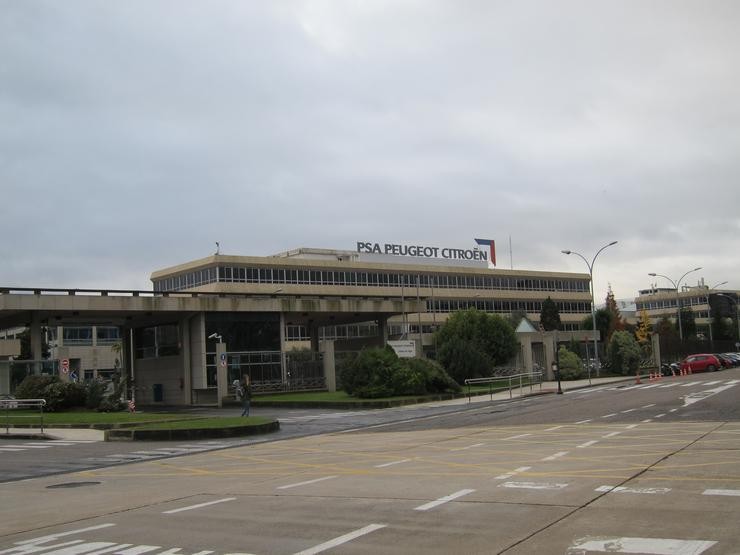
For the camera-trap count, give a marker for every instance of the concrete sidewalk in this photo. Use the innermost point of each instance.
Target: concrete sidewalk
(71, 434)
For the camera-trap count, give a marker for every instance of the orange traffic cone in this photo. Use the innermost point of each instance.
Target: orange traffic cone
(637, 378)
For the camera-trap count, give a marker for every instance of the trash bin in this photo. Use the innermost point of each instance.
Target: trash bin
(158, 392)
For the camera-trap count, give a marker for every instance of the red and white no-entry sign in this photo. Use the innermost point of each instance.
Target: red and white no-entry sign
(65, 365)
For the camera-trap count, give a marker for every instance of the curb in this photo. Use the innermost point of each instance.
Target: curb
(190, 433)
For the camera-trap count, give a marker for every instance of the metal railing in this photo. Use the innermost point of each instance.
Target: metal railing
(514, 380)
(7, 405)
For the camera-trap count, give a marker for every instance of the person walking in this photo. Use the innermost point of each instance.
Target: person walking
(244, 392)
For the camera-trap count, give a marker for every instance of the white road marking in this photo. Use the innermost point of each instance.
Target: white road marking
(8, 449)
(468, 447)
(690, 384)
(306, 482)
(661, 415)
(623, 489)
(553, 428)
(632, 387)
(442, 500)
(648, 406)
(587, 444)
(512, 473)
(611, 435)
(556, 456)
(669, 385)
(652, 546)
(628, 410)
(198, 506)
(732, 382)
(27, 446)
(730, 492)
(650, 386)
(43, 539)
(517, 437)
(583, 421)
(673, 410)
(532, 485)
(631, 426)
(715, 382)
(342, 539)
(647, 420)
(391, 463)
(695, 397)
(609, 415)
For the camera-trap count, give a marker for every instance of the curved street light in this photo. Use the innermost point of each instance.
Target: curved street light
(593, 304)
(676, 285)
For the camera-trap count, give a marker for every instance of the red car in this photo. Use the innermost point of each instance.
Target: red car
(701, 363)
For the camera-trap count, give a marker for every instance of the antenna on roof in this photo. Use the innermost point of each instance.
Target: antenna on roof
(218, 248)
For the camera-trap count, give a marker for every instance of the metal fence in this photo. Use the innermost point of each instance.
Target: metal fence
(16, 412)
(273, 370)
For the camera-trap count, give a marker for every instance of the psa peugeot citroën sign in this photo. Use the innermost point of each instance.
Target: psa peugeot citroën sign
(423, 251)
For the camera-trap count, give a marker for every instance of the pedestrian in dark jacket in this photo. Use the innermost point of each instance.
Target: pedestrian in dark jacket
(244, 394)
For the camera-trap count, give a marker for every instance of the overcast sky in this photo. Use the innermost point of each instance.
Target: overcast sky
(133, 135)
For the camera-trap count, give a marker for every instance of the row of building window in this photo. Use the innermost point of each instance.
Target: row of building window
(282, 276)
(506, 307)
(84, 335)
(670, 303)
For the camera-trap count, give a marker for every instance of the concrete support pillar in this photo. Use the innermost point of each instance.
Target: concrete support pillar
(330, 370)
(549, 342)
(383, 328)
(313, 331)
(655, 339)
(222, 386)
(186, 389)
(283, 361)
(526, 346)
(36, 339)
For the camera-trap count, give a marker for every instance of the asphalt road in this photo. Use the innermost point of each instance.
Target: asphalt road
(619, 469)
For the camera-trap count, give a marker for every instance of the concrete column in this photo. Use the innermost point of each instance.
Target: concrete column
(330, 370)
(36, 339)
(313, 331)
(222, 387)
(655, 339)
(185, 382)
(548, 340)
(383, 327)
(283, 365)
(526, 344)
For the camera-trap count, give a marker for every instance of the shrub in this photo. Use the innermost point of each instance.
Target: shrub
(570, 365)
(32, 387)
(64, 395)
(623, 353)
(380, 373)
(95, 393)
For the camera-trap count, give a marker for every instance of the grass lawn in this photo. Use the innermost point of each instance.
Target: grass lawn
(202, 423)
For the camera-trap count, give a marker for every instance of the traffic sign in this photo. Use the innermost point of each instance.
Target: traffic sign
(223, 359)
(65, 365)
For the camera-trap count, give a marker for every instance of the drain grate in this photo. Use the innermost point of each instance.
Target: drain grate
(72, 485)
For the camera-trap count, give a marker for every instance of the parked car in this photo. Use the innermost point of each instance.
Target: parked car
(734, 358)
(726, 361)
(701, 363)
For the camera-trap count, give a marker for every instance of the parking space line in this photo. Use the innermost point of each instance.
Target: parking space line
(587, 444)
(307, 482)
(655, 546)
(532, 485)
(470, 446)
(517, 437)
(442, 500)
(341, 539)
(648, 406)
(553, 428)
(659, 415)
(198, 506)
(623, 489)
(556, 456)
(612, 434)
(512, 473)
(609, 415)
(729, 492)
(384, 465)
(583, 421)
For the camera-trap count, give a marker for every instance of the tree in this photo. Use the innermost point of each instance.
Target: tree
(569, 364)
(688, 322)
(623, 353)
(471, 343)
(644, 328)
(666, 328)
(603, 322)
(550, 315)
(616, 323)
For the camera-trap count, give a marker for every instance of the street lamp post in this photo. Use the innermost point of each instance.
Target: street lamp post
(676, 285)
(711, 338)
(737, 316)
(593, 304)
